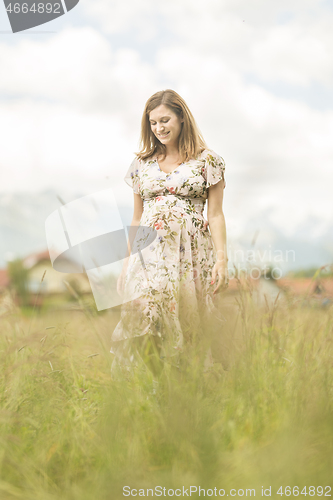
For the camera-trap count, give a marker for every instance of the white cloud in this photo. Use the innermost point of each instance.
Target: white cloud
(76, 67)
(61, 68)
(45, 143)
(286, 41)
(294, 54)
(123, 17)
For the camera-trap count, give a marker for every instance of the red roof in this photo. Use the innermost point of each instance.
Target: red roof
(4, 278)
(34, 258)
(307, 286)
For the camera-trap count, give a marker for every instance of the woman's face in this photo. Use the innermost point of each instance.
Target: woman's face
(165, 125)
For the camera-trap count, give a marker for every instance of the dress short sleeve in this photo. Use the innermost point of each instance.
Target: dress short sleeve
(214, 168)
(132, 176)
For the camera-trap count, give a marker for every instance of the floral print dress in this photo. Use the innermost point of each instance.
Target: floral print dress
(177, 298)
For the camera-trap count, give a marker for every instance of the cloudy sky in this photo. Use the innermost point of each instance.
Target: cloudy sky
(257, 75)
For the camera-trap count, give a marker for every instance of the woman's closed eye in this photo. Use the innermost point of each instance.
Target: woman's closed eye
(162, 121)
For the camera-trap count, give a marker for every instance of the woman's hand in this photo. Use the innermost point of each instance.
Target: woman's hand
(220, 271)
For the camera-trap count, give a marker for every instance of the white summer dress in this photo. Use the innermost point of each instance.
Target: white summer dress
(177, 301)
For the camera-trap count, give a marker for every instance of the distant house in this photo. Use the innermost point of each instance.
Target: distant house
(319, 290)
(53, 283)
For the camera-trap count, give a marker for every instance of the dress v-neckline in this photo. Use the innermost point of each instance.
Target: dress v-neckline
(167, 173)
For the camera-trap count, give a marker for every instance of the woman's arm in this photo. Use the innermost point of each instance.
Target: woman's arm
(218, 231)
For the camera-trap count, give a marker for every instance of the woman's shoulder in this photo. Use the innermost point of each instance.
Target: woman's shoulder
(213, 158)
(142, 160)
(206, 153)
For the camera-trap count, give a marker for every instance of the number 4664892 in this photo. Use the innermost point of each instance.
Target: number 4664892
(311, 491)
(36, 8)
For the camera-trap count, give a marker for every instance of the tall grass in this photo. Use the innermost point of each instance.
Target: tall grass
(67, 431)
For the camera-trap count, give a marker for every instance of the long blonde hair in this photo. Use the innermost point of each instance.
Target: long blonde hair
(191, 142)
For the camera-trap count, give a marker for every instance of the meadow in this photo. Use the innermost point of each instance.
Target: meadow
(68, 431)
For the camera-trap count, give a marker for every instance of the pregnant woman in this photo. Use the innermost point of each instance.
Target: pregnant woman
(186, 265)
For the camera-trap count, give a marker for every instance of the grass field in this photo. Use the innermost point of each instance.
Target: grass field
(68, 431)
